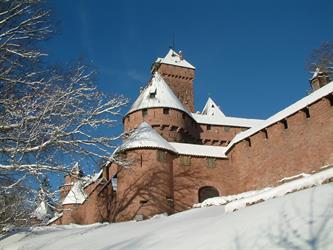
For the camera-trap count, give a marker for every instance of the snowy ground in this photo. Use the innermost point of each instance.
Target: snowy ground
(301, 220)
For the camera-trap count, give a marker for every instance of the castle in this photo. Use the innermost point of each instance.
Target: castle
(173, 158)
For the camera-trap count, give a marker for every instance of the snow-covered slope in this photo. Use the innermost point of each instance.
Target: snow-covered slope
(301, 220)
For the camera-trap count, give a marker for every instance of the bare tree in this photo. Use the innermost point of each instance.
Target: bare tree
(49, 116)
(322, 58)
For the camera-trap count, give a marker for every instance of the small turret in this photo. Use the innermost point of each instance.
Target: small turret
(319, 79)
(76, 171)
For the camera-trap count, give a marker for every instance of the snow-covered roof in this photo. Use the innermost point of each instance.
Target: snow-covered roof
(304, 102)
(225, 121)
(198, 150)
(76, 195)
(144, 136)
(87, 180)
(174, 58)
(147, 137)
(212, 109)
(157, 94)
(43, 211)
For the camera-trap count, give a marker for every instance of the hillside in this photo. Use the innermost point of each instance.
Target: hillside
(300, 220)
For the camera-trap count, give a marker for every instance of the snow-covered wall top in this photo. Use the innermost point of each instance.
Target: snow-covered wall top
(299, 105)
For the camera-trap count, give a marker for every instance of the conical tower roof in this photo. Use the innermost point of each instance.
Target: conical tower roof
(157, 94)
(145, 137)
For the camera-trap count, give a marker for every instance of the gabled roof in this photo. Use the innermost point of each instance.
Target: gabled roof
(145, 136)
(76, 195)
(226, 120)
(212, 114)
(157, 94)
(212, 109)
(174, 58)
(299, 105)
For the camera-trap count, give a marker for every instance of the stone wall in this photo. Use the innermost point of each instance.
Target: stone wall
(300, 144)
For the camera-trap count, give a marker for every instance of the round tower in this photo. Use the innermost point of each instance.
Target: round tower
(158, 106)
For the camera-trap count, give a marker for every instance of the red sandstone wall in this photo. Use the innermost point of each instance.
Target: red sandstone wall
(180, 80)
(94, 209)
(189, 179)
(145, 187)
(306, 145)
(180, 127)
(175, 126)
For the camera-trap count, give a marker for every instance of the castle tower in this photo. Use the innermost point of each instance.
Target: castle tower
(319, 79)
(159, 106)
(179, 74)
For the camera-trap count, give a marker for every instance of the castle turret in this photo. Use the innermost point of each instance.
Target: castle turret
(158, 106)
(179, 74)
(319, 79)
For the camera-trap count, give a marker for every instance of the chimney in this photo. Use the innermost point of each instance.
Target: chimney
(319, 79)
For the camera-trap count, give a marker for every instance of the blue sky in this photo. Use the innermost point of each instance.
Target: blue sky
(249, 55)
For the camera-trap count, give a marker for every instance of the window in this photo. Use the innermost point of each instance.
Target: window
(183, 115)
(143, 202)
(307, 112)
(285, 123)
(166, 111)
(209, 127)
(330, 98)
(128, 118)
(185, 160)
(226, 129)
(144, 112)
(211, 162)
(248, 141)
(207, 192)
(161, 155)
(265, 133)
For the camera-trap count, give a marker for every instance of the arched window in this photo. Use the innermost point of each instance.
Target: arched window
(207, 192)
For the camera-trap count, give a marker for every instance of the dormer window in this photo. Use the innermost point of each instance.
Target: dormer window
(152, 92)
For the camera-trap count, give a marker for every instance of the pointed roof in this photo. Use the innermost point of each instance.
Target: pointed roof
(43, 211)
(76, 170)
(145, 136)
(157, 94)
(174, 58)
(76, 195)
(212, 109)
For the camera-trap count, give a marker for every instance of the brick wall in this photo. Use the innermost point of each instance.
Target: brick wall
(180, 80)
(305, 146)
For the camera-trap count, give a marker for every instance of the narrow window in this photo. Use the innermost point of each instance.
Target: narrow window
(161, 156)
(185, 160)
(211, 162)
(285, 123)
(265, 133)
(209, 127)
(166, 111)
(307, 112)
(144, 112)
(183, 115)
(249, 141)
(330, 98)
